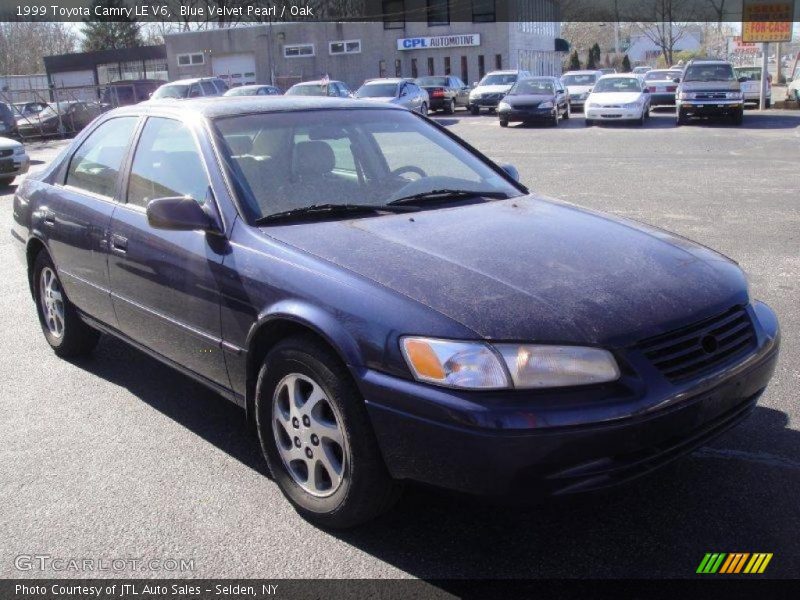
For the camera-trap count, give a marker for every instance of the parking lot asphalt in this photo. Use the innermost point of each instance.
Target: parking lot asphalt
(117, 456)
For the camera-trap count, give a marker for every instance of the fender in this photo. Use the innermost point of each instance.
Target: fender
(316, 319)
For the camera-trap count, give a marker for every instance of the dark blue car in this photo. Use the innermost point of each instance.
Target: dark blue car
(386, 303)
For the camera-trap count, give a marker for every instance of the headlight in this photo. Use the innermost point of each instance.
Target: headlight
(504, 106)
(546, 105)
(470, 365)
(474, 95)
(557, 366)
(19, 150)
(734, 95)
(686, 96)
(476, 365)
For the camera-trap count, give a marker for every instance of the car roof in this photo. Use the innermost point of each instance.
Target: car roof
(252, 86)
(540, 77)
(388, 80)
(583, 72)
(504, 72)
(228, 106)
(620, 76)
(317, 82)
(189, 81)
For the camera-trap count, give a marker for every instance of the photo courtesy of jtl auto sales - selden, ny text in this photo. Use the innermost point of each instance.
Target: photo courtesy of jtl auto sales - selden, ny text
(400, 299)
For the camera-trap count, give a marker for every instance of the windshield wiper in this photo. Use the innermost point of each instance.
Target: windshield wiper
(447, 194)
(329, 209)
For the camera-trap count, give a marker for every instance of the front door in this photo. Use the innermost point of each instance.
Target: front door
(164, 283)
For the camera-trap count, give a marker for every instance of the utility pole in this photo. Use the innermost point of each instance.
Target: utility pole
(762, 100)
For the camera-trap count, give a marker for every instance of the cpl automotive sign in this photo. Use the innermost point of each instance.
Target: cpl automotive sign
(767, 21)
(439, 41)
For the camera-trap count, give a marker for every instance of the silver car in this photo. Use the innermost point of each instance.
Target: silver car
(396, 91)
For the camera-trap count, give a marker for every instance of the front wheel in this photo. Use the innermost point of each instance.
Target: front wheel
(681, 118)
(423, 110)
(589, 122)
(6, 180)
(503, 123)
(567, 112)
(738, 117)
(474, 110)
(450, 108)
(63, 329)
(316, 436)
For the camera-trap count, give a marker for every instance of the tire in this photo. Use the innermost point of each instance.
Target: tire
(503, 123)
(474, 110)
(589, 122)
(681, 118)
(450, 108)
(6, 180)
(361, 489)
(423, 110)
(738, 117)
(640, 120)
(567, 112)
(555, 119)
(63, 329)
(768, 103)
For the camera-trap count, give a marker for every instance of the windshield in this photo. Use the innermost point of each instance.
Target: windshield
(377, 90)
(662, 75)
(532, 86)
(576, 79)
(618, 84)
(498, 79)
(432, 81)
(313, 89)
(709, 73)
(242, 91)
(752, 73)
(347, 156)
(171, 91)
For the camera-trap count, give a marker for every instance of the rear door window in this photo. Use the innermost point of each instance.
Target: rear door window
(208, 88)
(95, 165)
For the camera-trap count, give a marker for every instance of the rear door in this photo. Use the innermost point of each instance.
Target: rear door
(78, 215)
(164, 283)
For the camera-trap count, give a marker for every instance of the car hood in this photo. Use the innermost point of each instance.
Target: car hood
(491, 89)
(528, 98)
(532, 269)
(615, 97)
(578, 89)
(703, 86)
(8, 143)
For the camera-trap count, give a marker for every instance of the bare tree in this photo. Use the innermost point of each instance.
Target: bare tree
(23, 44)
(665, 31)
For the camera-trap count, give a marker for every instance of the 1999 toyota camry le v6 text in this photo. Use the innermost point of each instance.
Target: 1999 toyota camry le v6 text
(386, 303)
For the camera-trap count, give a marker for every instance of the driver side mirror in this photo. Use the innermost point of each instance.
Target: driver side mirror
(645, 90)
(180, 213)
(511, 171)
(676, 80)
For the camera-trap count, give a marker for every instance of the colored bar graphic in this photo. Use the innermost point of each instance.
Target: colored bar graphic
(733, 563)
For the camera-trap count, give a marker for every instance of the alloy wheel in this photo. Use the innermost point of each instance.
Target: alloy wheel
(309, 436)
(52, 300)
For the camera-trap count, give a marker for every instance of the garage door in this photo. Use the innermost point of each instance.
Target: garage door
(78, 84)
(235, 69)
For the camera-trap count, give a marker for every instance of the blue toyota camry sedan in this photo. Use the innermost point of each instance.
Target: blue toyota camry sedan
(386, 303)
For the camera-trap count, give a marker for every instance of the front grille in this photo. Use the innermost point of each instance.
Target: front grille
(492, 96)
(526, 106)
(711, 95)
(4, 153)
(698, 348)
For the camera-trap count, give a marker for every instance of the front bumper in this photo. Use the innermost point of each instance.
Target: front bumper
(710, 108)
(552, 443)
(530, 114)
(14, 165)
(485, 102)
(755, 96)
(612, 114)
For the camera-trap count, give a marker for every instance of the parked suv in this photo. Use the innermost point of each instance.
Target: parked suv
(198, 87)
(709, 88)
(492, 88)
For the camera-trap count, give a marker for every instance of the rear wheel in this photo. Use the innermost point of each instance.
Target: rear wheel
(450, 107)
(316, 436)
(63, 329)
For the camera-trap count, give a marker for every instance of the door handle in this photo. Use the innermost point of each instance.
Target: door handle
(119, 244)
(49, 219)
